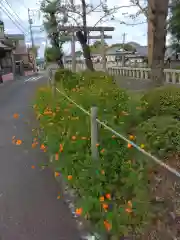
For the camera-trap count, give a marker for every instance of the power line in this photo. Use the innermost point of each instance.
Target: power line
(13, 11)
(9, 15)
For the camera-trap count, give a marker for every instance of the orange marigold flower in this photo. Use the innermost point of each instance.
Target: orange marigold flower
(16, 115)
(58, 197)
(60, 147)
(129, 145)
(42, 147)
(103, 150)
(105, 206)
(129, 210)
(101, 199)
(79, 211)
(69, 177)
(108, 196)
(107, 225)
(56, 156)
(131, 137)
(56, 174)
(73, 137)
(97, 144)
(18, 142)
(34, 144)
(33, 167)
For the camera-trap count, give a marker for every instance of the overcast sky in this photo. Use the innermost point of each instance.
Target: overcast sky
(20, 7)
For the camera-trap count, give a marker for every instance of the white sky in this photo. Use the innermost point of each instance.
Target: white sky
(20, 7)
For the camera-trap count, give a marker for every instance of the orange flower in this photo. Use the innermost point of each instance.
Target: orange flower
(79, 211)
(56, 174)
(60, 147)
(42, 147)
(97, 144)
(101, 199)
(129, 145)
(107, 225)
(128, 210)
(58, 197)
(34, 144)
(33, 167)
(56, 156)
(16, 115)
(108, 196)
(131, 137)
(18, 142)
(105, 206)
(113, 136)
(73, 138)
(103, 150)
(69, 177)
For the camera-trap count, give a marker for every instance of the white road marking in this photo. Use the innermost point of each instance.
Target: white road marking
(33, 79)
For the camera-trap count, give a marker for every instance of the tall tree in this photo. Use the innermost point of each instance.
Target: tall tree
(49, 8)
(174, 24)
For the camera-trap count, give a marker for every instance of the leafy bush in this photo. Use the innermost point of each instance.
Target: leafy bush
(162, 101)
(113, 190)
(161, 133)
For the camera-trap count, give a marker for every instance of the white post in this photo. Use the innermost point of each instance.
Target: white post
(73, 52)
(103, 52)
(94, 133)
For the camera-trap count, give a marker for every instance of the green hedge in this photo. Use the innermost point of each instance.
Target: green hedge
(113, 191)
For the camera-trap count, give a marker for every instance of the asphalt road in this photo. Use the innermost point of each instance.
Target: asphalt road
(29, 208)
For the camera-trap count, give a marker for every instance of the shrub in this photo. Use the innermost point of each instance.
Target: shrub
(161, 133)
(162, 101)
(113, 190)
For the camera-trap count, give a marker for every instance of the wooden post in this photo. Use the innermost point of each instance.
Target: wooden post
(103, 52)
(73, 52)
(94, 133)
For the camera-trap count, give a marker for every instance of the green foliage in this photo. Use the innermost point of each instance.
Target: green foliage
(162, 101)
(116, 177)
(162, 134)
(51, 54)
(174, 23)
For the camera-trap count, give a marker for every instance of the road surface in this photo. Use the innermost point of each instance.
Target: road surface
(29, 208)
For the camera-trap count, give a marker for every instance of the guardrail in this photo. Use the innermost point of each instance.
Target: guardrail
(171, 75)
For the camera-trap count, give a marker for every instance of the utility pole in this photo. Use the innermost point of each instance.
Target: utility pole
(30, 27)
(123, 44)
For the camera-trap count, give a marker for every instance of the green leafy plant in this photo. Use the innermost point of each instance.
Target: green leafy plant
(162, 101)
(113, 190)
(162, 134)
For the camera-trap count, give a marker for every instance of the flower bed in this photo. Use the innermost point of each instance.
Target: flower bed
(113, 191)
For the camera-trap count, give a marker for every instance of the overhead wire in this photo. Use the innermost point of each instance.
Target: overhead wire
(9, 15)
(10, 6)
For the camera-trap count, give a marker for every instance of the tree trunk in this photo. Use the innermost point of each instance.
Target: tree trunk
(86, 51)
(82, 37)
(158, 11)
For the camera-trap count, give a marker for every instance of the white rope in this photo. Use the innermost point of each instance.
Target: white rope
(160, 162)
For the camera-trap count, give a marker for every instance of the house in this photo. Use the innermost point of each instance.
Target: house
(132, 53)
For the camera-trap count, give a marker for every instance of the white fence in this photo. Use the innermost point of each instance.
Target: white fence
(171, 75)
